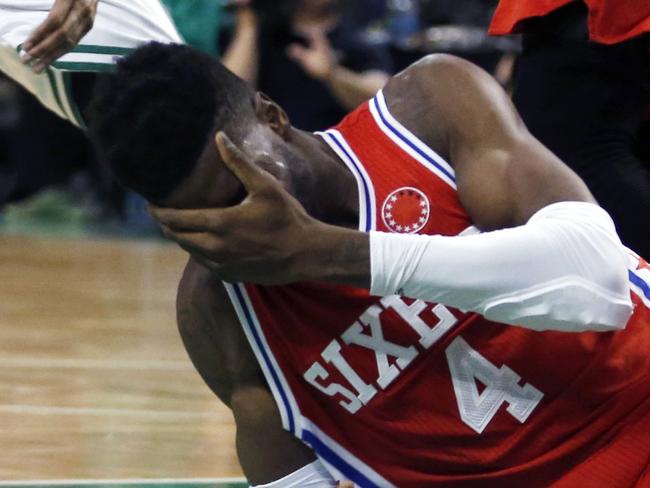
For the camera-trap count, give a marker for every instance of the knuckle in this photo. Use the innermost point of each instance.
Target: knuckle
(274, 198)
(203, 221)
(216, 224)
(57, 20)
(267, 191)
(217, 250)
(86, 10)
(69, 39)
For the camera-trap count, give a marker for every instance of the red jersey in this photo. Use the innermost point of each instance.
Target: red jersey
(610, 21)
(398, 392)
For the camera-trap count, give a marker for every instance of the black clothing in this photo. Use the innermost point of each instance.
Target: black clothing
(586, 102)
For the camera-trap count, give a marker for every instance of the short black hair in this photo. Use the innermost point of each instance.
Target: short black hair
(151, 118)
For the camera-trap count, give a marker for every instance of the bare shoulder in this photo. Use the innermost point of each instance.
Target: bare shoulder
(202, 303)
(442, 73)
(212, 334)
(437, 65)
(441, 95)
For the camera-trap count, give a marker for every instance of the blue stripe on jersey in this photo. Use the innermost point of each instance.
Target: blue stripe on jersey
(351, 473)
(262, 349)
(638, 281)
(366, 190)
(406, 140)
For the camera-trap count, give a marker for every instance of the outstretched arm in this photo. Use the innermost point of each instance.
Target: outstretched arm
(65, 26)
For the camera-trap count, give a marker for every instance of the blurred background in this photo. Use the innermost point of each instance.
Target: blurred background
(317, 58)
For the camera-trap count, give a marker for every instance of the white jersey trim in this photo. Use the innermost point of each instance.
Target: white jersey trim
(367, 198)
(409, 142)
(314, 475)
(342, 464)
(291, 418)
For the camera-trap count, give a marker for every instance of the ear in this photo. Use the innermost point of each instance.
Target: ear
(271, 114)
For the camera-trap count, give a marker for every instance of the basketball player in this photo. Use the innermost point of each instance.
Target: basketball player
(392, 391)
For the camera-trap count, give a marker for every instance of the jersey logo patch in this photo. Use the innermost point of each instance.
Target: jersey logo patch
(406, 210)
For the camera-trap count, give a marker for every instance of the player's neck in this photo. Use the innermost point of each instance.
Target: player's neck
(324, 186)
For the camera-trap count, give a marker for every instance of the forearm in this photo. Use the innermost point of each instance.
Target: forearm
(241, 55)
(336, 255)
(351, 89)
(564, 270)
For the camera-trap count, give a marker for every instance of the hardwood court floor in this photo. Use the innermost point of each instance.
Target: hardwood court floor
(94, 382)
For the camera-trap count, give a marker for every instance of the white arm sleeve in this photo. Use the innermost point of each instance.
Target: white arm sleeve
(566, 270)
(313, 475)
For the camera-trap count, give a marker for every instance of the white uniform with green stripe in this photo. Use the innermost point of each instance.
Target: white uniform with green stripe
(120, 26)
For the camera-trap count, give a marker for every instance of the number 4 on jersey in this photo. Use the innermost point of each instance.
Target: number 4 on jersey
(501, 385)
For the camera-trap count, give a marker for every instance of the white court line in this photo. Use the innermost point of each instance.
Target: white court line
(148, 481)
(62, 363)
(101, 412)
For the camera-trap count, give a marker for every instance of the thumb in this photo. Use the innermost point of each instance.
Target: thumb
(247, 172)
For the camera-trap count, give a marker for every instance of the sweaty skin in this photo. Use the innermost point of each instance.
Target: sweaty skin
(504, 176)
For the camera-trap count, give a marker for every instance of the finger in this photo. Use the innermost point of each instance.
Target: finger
(58, 43)
(249, 174)
(41, 64)
(55, 41)
(54, 50)
(55, 19)
(64, 46)
(196, 220)
(206, 263)
(201, 244)
(224, 273)
(76, 25)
